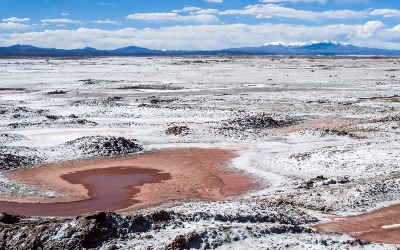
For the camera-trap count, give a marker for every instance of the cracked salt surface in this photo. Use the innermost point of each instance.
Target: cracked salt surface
(213, 92)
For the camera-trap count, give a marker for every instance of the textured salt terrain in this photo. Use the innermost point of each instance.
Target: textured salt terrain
(321, 133)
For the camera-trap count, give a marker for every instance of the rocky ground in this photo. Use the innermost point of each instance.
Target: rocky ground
(321, 133)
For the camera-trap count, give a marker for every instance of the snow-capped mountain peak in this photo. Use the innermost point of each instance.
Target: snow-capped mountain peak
(280, 43)
(300, 44)
(277, 43)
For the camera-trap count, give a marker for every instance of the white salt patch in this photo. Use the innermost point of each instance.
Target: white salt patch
(390, 226)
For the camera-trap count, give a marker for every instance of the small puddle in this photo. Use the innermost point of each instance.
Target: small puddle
(109, 189)
(130, 183)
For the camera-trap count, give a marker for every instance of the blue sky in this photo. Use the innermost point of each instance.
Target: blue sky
(197, 24)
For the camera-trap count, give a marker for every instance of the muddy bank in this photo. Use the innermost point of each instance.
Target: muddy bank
(318, 124)
(168, 176)
(380, 226)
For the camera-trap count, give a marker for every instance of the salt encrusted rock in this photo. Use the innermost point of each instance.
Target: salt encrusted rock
(102, 229)
(115, 98)
(9, 137)
(18, 157)
(153, 87)
(98, 103)
(301, 156)
(89, 81)
(9, 218)
(10, 161)
(56, 92)
(177, 130)
(188, 241)
(343, 179)
(256, 121)
(104, 145)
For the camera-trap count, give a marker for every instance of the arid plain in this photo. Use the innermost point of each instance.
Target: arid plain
(233, 152)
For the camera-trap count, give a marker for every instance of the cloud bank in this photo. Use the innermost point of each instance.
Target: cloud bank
(209, 36)
(193, 27)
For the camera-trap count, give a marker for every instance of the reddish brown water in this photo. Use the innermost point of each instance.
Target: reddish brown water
(109, 189)
(193, 174)
(380, 226)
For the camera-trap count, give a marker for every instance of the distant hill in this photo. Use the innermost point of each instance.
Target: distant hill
(27, 50)
(327, 48)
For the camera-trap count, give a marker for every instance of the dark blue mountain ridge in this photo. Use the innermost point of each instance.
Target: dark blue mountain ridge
(327, 48)
(28, 50)
(132, 49)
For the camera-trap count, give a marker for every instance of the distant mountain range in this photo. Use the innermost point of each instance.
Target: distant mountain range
(327, 48)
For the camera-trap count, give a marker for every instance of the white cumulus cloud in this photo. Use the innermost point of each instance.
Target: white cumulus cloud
(370, 34)
(370, 28)
(106, 21)
(214, 1)
(13, 25)
(189, 9)
(15, 19)
(386, 13)
(60, 20)
(197, 11)
(293, 1)
(174, 17)
(397, 28)
(274, 10)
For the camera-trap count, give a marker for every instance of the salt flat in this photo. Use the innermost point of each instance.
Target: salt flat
(321, 133)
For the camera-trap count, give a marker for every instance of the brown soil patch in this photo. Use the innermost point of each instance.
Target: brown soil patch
(394, 98)
(318, 124)
(195, 174)
(380, 226)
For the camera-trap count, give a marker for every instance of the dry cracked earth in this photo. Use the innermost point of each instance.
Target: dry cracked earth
(320, 135)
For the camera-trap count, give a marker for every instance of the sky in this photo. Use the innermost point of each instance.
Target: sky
(197, 24)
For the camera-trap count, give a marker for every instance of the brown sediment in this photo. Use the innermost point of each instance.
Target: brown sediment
(394, 98)
(380, 226)
(330, 123)
(193, 174)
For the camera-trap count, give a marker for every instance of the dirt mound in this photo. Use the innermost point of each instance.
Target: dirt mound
(392, 118)
(9, 218)
(321, 181)
(177, 130)
(105, 229)
(86, 231)
(257, 121)
(336, 132)
(9, 138)
(56, 92)
(89, 81)
(189, 241)
(105, 145)
(152, 87)
(10, 161)
(111, 103)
